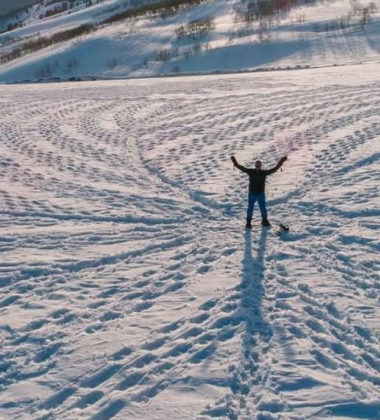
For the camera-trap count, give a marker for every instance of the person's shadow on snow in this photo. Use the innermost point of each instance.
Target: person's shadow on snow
(252, 289)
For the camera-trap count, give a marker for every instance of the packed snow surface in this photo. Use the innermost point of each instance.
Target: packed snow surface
(130, 288)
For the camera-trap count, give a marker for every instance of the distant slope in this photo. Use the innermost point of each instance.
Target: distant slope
(219, 35)
(9, 6)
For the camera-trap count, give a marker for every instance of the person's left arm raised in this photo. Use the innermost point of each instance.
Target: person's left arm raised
(278, 166)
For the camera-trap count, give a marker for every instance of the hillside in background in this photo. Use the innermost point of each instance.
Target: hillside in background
(134, 38)
(13, 5)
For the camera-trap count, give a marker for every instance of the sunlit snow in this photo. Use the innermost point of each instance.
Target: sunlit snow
(129, 286)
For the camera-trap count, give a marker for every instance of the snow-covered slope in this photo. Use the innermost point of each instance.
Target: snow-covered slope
(130, 289)
(32, 21)
(7, 7)
(318, 34)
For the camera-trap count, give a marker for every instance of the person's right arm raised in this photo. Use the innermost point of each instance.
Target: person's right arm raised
(240, 167)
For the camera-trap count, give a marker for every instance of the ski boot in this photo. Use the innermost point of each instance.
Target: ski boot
(265, 222)
(248, 224)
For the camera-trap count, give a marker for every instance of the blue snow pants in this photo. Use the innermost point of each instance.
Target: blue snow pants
(260, 198)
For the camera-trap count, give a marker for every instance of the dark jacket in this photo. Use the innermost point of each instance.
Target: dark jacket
(257, 178)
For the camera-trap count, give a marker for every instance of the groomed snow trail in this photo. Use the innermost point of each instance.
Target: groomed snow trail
(129, 287)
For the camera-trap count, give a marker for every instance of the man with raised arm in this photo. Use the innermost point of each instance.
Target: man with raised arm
(257, 178)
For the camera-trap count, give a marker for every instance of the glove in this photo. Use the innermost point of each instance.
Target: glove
(283, 159)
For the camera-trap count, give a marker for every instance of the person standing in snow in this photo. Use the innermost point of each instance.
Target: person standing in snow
(257, 178)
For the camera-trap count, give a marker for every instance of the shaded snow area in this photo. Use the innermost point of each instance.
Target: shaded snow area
(129, 286)
(14, 5)
(314, 35)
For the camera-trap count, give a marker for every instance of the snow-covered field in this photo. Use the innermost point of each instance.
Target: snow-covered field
(129, 287)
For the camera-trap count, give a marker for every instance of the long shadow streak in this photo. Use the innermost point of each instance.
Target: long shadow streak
(252, 287)
(251, 311)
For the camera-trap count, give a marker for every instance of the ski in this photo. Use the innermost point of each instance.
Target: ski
(282, 227)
